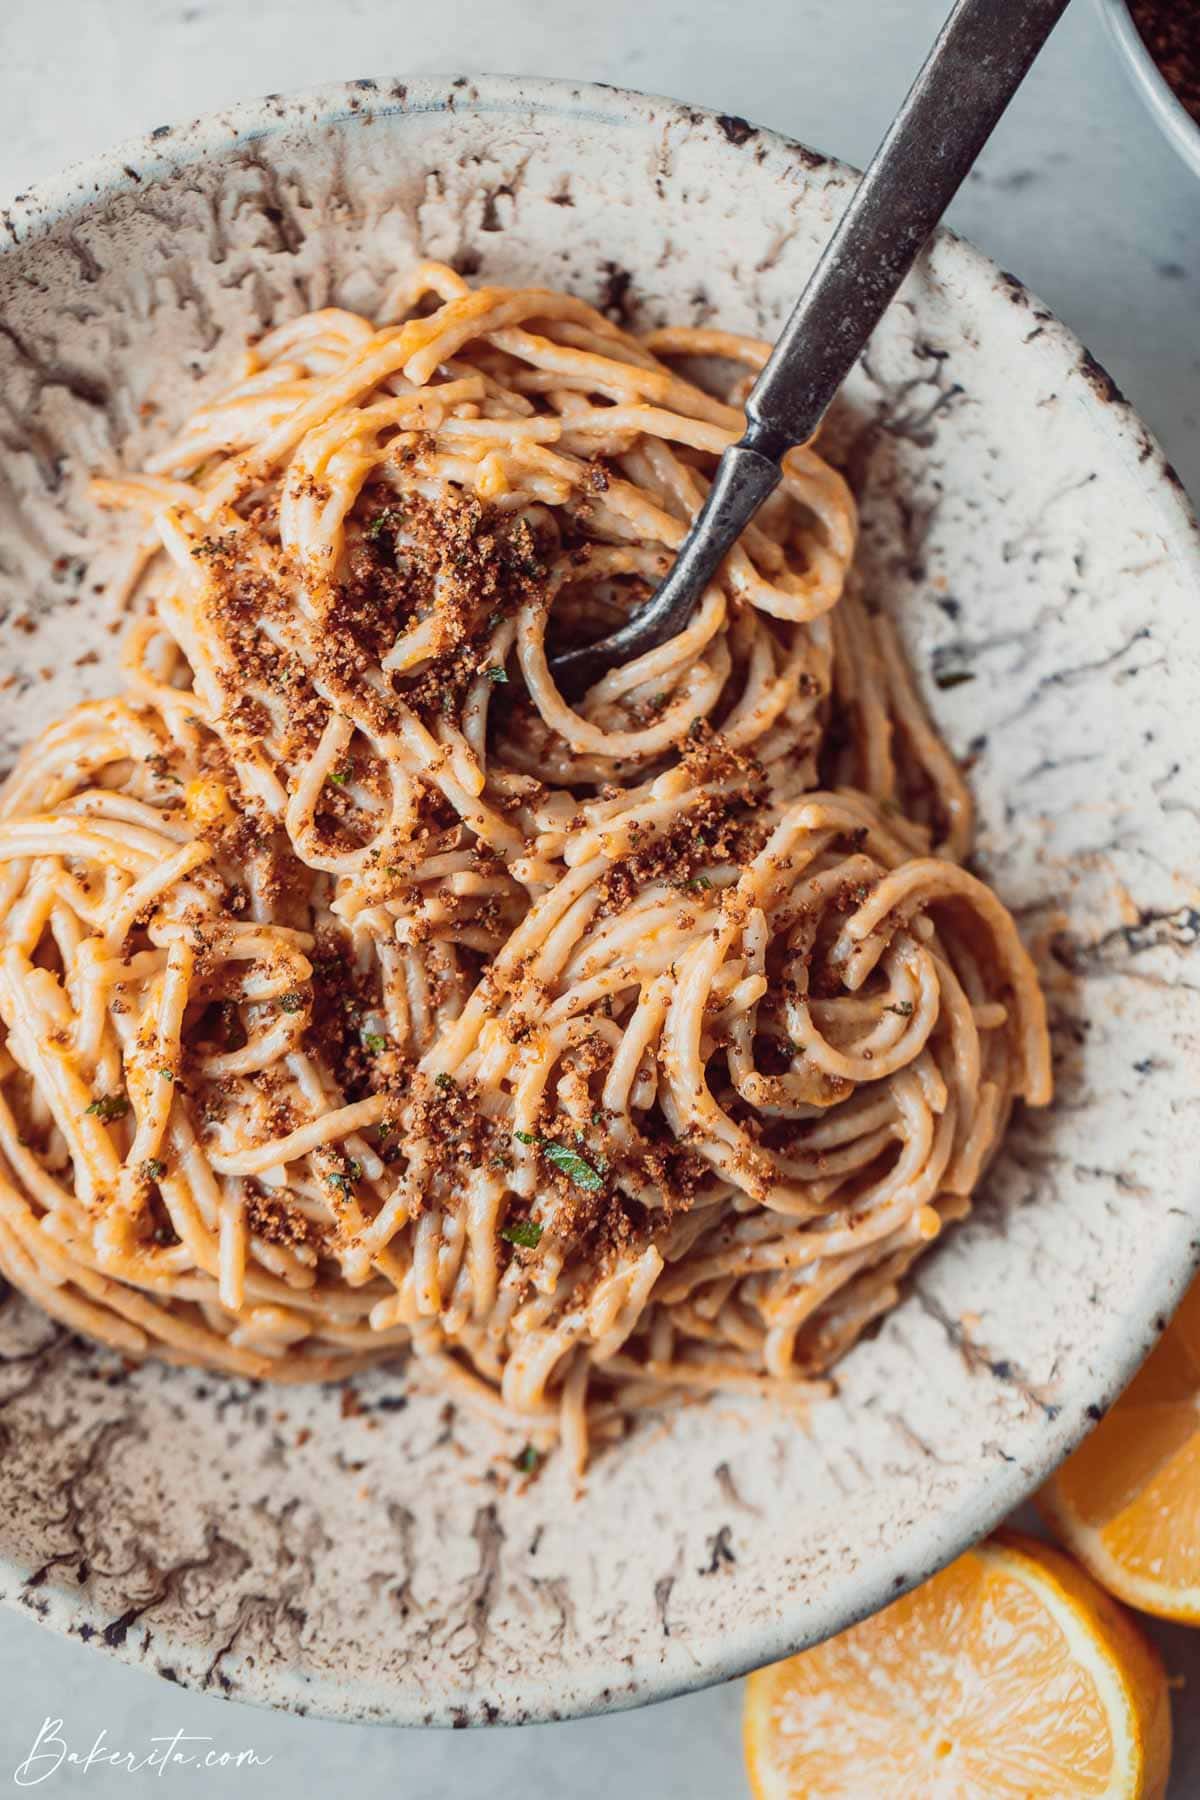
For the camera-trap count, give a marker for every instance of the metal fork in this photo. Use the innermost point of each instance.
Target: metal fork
(978, 62)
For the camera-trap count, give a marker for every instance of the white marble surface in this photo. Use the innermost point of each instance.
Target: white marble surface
(1077, 194)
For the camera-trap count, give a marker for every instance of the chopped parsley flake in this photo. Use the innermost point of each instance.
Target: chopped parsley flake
(108, 1107)
(388, 520)
(153, 1169)
(291, 1003)
(525, 1232)
(374, 1041)
(573, 1166)
(345, 1178)
(497, 673)
(527, 1460)
(903, 1007)
(443, 1081)
(161, 770)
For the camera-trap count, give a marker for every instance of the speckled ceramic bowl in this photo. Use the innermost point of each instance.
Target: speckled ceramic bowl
(368, 1555)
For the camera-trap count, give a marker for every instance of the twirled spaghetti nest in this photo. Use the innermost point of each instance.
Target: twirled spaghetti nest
(362, 990)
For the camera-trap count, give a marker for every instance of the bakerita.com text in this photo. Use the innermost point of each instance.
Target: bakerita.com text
(51, 1753)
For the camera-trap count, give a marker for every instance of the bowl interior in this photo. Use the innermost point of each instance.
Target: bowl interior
(371, 1553)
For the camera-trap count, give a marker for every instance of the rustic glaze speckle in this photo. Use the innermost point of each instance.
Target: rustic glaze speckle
(379, 1558)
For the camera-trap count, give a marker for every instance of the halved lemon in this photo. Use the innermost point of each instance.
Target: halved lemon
(1128, 1502)
(1010, 1674)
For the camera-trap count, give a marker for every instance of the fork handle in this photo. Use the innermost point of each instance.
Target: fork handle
(978, 62)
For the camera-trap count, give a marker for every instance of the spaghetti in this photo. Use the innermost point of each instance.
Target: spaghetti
(361, 990)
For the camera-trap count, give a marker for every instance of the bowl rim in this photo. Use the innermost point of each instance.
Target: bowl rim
(939, 1536)
(1170, 114)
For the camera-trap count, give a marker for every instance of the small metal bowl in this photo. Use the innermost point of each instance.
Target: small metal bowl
(1173, 117)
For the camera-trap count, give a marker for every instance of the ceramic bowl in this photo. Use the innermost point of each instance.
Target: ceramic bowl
(369, 1553)
(1171, 116)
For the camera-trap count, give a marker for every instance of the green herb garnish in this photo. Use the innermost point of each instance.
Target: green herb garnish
(573, 1166)
(390, 519)
(291, 1003)
(374, 1041)
(700, 883)
(443, 1081)
(108, 1107)
(903, 1007)
(160, 768)
(338, 777)
(345, 1178)
(153, 1169)
(497, 673)
(166, 1075)
(524, 1232)
(527, 1460)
